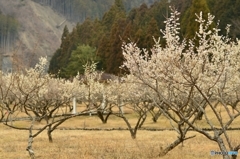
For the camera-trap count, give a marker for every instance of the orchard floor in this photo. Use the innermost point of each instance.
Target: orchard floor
(115, 144)
(80, 144)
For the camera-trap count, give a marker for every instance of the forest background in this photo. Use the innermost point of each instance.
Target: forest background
(100, 39)
(103, 26)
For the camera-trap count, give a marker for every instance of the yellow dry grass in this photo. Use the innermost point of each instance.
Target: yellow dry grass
(76, 144)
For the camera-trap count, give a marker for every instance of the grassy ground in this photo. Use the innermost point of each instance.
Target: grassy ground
(75, 144)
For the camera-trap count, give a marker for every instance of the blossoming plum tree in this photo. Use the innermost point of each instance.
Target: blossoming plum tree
(34, 95)
(185, 79)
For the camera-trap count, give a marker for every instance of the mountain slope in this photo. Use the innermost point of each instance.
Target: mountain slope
(39, 30)
(79, 10)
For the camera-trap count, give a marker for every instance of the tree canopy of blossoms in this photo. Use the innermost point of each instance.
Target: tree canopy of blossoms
(185, 77)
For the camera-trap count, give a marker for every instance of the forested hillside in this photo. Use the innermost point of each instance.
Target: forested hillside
(29, 30)
(8, 31)
(101, 39)
(79, 10)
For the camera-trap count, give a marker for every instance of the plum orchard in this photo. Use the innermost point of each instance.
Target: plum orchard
(34, 95)
(184, 78)
(180, 80)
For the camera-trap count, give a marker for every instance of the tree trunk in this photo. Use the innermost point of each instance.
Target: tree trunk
(106, 118)
(143, 120)
(30, 141)
(170, 147)
(222, 147)
(29, 147)
(199, 115)
(133, 134)
(234, 156)
(49, 133)
(100, 115)
(156, 116)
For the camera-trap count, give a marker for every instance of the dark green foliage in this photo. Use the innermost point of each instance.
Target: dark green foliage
(115, 57)
(152, 31)
(227, 11)
(188, 24)
(65, 34)
(54, 65)
(116, 11)
(139, 25)
(61, 57)
(79, 57)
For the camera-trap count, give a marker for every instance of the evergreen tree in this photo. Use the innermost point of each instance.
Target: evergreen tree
(60, 57)
(188, 24)
(128, 32)
(85, 31)
(227, 11)
(140, 38)
(110, 47)
(104, 49)
(142, 16)
(70, 44)
(140, 25)
(82, 55)
(152, 31)
(116, 11)
(65, 33)
(115, 57)
(54, 65)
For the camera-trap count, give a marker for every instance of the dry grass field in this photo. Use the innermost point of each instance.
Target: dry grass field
(116, 144)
